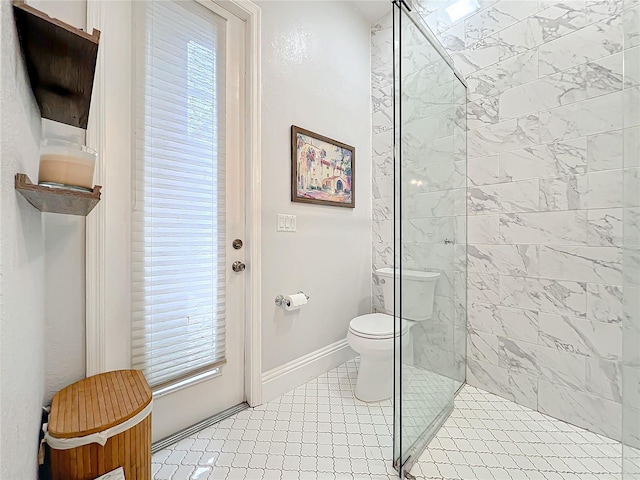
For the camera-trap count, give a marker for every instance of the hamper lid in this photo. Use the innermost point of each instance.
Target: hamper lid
(98, 403)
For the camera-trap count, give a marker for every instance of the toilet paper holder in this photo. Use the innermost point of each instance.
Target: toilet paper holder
(280, 300)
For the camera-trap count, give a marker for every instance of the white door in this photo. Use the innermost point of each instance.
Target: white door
(188, 302)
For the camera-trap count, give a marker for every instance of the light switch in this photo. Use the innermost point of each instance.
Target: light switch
(286, 223)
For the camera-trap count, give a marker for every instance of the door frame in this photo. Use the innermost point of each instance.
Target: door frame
(106, 312)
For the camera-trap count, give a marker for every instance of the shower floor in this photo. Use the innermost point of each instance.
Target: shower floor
(488, 437)
(319, 430)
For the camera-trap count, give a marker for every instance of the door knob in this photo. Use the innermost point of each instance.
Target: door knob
(238, 266)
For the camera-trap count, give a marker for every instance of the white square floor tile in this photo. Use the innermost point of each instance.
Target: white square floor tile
(488, 437)
(320, 431)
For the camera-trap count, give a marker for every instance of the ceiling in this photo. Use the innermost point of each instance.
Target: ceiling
(372, 10)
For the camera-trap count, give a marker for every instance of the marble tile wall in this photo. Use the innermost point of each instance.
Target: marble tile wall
(545, 178)
(382, 153)
(631, 238)
(431, 235)
(549, 115)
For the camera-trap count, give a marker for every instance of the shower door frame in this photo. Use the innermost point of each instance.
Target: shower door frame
(404, 463)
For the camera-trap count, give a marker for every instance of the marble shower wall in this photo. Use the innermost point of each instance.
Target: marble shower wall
(631, 255)
(433, 226)
(545, 177)
(544, 198)
(382, 151)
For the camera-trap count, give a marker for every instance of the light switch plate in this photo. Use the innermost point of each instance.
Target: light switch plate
(286, 223)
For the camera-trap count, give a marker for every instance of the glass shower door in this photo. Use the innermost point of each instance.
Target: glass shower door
(631, 244)
(430, 236)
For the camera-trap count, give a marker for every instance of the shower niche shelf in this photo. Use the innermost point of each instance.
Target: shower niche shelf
(57, 200)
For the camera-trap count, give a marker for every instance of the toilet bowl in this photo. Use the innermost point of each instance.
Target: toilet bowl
(373, 335)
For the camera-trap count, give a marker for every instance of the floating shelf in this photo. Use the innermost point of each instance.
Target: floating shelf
(61, 62)
(57, 200)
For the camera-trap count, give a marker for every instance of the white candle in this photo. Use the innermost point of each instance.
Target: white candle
(66, 163)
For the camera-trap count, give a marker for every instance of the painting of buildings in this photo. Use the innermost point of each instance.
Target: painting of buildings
(323, 170)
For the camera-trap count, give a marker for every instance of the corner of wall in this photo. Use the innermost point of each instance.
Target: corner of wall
(284, 378)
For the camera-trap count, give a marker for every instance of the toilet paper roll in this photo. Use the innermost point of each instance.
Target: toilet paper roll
(295, 301)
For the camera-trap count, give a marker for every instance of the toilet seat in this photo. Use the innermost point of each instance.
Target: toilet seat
(377, 326)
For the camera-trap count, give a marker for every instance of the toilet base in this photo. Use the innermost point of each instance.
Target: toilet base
(375, 373)
(375, 379)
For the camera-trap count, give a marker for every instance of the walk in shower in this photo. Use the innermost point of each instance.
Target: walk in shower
(554, 241)
(429, 116)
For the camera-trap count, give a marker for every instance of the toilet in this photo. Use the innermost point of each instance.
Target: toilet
(373, 335)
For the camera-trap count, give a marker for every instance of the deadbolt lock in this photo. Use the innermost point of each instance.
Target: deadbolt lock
(237, 244)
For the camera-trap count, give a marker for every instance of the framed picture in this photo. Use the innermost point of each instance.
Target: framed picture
(322, 170)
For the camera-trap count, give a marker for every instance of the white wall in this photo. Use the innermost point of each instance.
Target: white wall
(315, 74)
(64, 301)
(21, 266)
(73, 12)
(65, 255)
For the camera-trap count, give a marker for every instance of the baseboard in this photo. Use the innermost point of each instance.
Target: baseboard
(285, 378)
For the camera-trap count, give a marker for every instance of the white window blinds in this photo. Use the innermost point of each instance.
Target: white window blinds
(178, 218)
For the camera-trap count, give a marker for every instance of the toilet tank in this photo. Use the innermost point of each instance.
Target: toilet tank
(418, 289)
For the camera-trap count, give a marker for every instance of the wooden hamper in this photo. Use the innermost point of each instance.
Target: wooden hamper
(99, 424)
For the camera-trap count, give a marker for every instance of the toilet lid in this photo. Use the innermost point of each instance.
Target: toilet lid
(376, 325)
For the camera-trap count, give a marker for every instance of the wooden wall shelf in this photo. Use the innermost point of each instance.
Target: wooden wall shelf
(61, 62)
(57, 200)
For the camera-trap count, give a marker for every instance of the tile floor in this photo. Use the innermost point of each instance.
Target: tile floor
(425, 395)
(631, 463)
(488, 437)
(320, 431)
